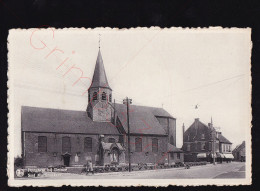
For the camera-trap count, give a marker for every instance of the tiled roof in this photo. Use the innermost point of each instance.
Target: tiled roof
(99, 77)
(109, 146)
(223, 139)
(63, 121)
(194, 132)
(239, 147)
(142, 119)
(172, 148)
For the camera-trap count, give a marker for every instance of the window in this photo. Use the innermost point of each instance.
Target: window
(155, 145)
(203, 146)
(88, 97)
(95, 96)
(104, 96)
(172, 155)
(42, 144)
(138, 144)
(66, 146)
(110, 97)
(202, 136)
(171, 140)
(111, 140)
(188, 147)
(188, 138)
(88, 144)
(178, 155)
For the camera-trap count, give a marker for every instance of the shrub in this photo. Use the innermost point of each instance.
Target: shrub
(18, 162)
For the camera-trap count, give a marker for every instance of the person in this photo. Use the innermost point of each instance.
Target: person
(89, 167)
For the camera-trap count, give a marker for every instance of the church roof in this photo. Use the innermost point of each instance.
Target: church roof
(99, 77)
(172, 148)
(142, 119)
(62, 121)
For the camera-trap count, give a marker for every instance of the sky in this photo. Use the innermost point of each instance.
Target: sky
(176, 69)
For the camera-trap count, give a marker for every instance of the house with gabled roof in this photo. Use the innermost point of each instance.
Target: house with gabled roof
(203, 142)
(52, 137)
(240, 152)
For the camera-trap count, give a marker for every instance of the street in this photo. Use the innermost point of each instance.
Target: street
(210, 171)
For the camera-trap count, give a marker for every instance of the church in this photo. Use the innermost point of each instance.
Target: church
(52, 137)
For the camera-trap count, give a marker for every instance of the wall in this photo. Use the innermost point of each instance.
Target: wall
(54, 144)
(225, 148)
(147, 156)
(34, 158)
(175, 159)
(100, 110)
(172, 130)
(169, 125)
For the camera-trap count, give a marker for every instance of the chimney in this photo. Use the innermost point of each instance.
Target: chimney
(197, 122)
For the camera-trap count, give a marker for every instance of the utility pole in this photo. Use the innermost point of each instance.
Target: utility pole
(213, 132)
(127, 102)
(214, 145)
(114, 112)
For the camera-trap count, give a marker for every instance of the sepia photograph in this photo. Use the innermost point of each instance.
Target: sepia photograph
(128, 107)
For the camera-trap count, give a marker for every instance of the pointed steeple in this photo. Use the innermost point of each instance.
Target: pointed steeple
(99, 79)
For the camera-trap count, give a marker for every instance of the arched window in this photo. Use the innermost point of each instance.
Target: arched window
(111, 140)
(66, 146)
(104, 96)
(95, 96)
(42, 144)
(171, 140)
(138, 144)
(88, 144)
(110, 97)
(155, 145)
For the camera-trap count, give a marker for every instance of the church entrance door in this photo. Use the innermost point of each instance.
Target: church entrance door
(66, 159)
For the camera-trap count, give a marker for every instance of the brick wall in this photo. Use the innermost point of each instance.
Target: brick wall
(147, 156)
(54, 145)
(169, 125)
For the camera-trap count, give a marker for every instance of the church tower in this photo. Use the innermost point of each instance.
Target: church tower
(100, 94)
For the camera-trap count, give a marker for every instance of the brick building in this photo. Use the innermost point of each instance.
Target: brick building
(199, 140)
(53, 137)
